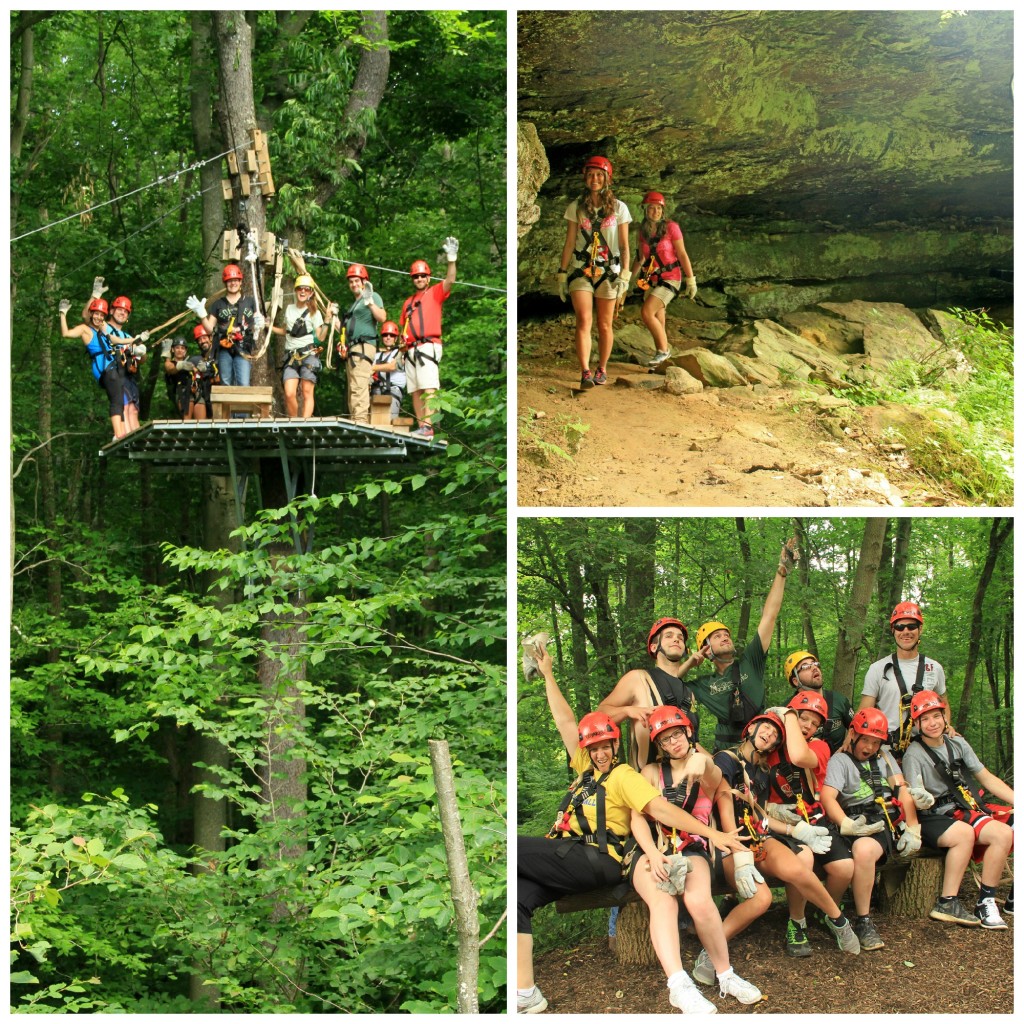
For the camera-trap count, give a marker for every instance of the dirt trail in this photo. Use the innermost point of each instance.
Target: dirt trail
(790, 446)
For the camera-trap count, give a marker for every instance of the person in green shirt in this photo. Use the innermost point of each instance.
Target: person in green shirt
(803, 671)
(734, 691)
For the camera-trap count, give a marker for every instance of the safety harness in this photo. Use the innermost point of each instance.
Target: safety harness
(962, 793)
(654, 270)
(882, 803)
(594, 259)
(571, 807)
(672, 839)
(900, 738)
(746, 807)
(413, 343)
(353, 344)
(105, 351)
(793, 784)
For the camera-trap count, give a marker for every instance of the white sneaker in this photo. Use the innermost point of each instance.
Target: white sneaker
(535, 1003)
(659, 358)
(685, 997)
(703, 969)
(741, 990)
(988, 914)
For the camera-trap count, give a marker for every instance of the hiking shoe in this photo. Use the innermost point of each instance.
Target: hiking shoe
(703, 969)
(743, 991)
(867, 933)
(586, 379)
(797, 943)
(659, 358)
(988, 914)
(425, 430)
(531, 1004)
(844, 935)
(600, 377)
(685, 997)
(954, 912)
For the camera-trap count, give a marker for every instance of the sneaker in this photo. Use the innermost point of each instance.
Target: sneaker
(685, 997)
(659, 358)
(954, 912)
(797, 943)
(1008, 903)
(867, 933)
(600, 377)
(535, 1003)
(844, 935)
(425, 430)
(586, 379)
(703, 969)
(988, 914)
(743, 991)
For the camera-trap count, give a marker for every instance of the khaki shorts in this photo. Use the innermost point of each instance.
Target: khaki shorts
(663, 293)
(421, 371)
(607, 290)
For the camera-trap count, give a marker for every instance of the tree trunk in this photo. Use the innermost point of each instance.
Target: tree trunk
(467, 920)
(851, 629)
(998, 533)
(809, 640)
(747, 591)
(893, 576)
(200, 93)
(632, 935)
(639, 611)
(910, 894)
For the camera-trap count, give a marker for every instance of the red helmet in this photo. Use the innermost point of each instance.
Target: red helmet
(99, 305)
(871, 722)
(925, 700)
(199, 331)
(665, 717)
(766, 716)
(601, 163)
(596, 727)
(653, 197)
(906, 610)
(389, 327)
(810, 700)
(232, 272)
(419, 267)
(357, 270)
(660, 625)
(121, 302)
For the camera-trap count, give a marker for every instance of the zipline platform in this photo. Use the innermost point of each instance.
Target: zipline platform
(227, 447)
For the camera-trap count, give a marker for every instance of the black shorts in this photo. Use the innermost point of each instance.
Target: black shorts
(112, 382)
(933, 827)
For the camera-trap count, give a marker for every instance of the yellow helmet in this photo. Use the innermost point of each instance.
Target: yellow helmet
(707, 629)
(303, 281)
(793, 660)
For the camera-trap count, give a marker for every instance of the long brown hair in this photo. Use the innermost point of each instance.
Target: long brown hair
(653, 232)
(586, 208)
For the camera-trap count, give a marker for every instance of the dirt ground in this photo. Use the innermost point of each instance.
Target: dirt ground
(725, 447)
(925, 967)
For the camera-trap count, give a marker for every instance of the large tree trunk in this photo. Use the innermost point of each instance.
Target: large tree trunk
(892, 575)
(639, 611)
(747, 584)
(851, 629)
(1001, 529)
(200, 92)
(809, 640)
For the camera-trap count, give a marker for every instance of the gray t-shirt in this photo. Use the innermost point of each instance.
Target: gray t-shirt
(917, 765)
(882, 684)
(843, 775)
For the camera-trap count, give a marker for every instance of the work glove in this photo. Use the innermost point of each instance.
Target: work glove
(859, 827)
(909, 844)
(783, 812)
(182, 365)
(921, 797)
(747, 876)
(259, 321)
(790, 555)
(144, 336)
(622, 283)
(530, 645)
(139, 351)
(202, 366)
(816, 837)
(451, 248)
(368, 301)
(563, 286)
(678, 866)
(779, 711)
(98, 287)
(63, 306)
(691, 288)
(197, 305)
(165, 349)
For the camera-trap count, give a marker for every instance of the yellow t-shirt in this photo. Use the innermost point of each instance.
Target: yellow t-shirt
(624, 789)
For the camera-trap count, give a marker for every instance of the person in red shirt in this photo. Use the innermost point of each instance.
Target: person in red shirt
(421, 334)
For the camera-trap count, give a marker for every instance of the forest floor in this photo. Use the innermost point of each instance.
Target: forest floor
(925, 967)
(620, 446)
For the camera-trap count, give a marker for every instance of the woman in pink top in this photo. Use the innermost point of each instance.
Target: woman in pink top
(659, 270)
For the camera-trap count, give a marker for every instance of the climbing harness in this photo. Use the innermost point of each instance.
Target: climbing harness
(899, 739)
(571, 808)
(670, 838)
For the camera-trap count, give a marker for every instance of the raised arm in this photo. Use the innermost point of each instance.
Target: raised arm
(565, 720)
(773, 602)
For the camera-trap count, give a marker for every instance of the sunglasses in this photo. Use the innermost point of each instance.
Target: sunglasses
(899, 627)
(808, 664)
(389, 335)
(416, 276)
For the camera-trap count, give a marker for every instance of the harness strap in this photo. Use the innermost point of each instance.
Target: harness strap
(654, 270)
(572, 805)
(902, 738)
(962, 791)
(591, 265)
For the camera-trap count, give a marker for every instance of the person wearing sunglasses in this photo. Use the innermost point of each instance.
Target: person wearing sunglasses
(891, 682)
(803, 670)
(389, 368)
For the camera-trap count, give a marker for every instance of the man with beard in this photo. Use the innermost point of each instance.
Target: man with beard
(804, 673)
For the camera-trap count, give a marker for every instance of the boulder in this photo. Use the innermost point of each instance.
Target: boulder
(533, 171)
(633, 344)
(679, 382)
(710, 369)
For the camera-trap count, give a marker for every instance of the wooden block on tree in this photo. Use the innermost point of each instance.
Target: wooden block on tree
(227, 401)
(250, 161)
(268, 248)
(267, 183)
(226, 191)
(232, 162)
(229, 246)
(243, 185)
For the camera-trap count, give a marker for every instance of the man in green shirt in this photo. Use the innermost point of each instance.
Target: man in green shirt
(361, 321)
(804, 673)
(734, 691)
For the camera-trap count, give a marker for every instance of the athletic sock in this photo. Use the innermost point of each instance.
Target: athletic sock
(800, 922)
(986, 892)
(725, 974)
(526, 992)
(839, 921)
(677, 978)
(946, 899)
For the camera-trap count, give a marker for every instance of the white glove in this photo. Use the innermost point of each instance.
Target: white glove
(451, 248)
(259, 321)
(780, 712)
(783, 812)
(678, 866)
(747, 876)
(563, 286)
(182, 365)
(530, 645)
(622, 283)
(139, 351)
(63, 306)
(921, 797)
(691, 288)
(165, 349)
(98, 287)
(817, 838)
(859, 827)
(144, 336)
(197, 305)
(910, 842)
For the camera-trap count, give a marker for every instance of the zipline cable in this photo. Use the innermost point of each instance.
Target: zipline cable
(401, 273)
